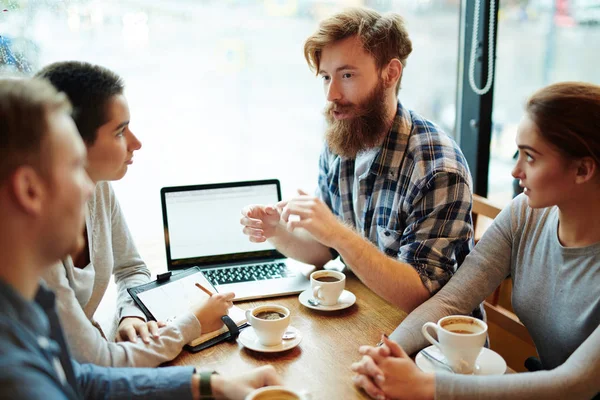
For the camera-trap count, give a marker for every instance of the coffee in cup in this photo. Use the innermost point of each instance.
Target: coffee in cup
(269, 322)
(275, 393)
(460, 339)
(327, 286)
(269, 315)
(327, 279)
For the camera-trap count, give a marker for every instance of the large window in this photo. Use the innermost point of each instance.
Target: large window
(219, 90)
(539, 43)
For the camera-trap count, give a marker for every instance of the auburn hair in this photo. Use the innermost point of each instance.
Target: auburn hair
(384, 36)
(567, 115)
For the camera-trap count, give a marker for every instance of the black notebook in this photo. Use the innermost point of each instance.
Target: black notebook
(174, 293)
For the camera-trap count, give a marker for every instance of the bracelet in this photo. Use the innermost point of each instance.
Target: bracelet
(205, 387)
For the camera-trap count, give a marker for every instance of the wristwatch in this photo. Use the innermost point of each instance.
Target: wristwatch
(205, 387)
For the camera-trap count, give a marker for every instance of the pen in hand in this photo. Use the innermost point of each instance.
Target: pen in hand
(205, 290)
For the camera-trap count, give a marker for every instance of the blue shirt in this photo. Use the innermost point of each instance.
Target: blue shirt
(417, 197)
(35, 361)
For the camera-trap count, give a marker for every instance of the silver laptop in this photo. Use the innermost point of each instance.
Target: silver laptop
(202, 228)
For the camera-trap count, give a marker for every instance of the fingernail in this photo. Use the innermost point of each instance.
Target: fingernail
(355, 378)
(380, 378)
(380, 397)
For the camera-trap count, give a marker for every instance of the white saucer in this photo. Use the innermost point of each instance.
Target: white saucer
(490, 362)
(346, 299)
(249, 340)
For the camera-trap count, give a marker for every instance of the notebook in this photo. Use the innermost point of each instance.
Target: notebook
(202, 228)
(173, 294)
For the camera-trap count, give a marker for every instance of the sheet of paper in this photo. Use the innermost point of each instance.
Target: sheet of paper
(168, 301)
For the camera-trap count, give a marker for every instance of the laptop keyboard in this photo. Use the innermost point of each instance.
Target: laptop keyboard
(247, 273)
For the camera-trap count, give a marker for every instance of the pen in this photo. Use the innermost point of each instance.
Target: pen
(205, 290)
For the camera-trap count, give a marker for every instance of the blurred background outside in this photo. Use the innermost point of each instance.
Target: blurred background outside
(219, 90)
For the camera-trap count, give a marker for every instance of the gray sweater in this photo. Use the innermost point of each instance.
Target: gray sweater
(79, 292)
(556, 295)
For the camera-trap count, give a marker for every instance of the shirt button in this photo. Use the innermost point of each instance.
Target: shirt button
(387, 233)
(43, 342)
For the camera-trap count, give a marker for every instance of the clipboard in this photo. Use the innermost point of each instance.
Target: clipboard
(162, 280)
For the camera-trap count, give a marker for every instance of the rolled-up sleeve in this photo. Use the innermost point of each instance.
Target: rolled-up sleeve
(439, 230)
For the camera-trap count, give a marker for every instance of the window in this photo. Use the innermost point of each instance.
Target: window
(539, 43)
(219, 90)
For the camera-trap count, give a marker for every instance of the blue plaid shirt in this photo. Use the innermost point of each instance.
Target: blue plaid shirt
(417, 198)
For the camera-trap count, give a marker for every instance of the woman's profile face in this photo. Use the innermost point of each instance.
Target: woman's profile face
(112, 152)
(547, 177)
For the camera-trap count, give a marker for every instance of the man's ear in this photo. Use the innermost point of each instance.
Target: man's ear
(586, 170)
(28, 189)
(393, 73)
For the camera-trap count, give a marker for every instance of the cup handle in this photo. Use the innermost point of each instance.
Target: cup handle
(316, 292)
(248, 314)
(305, 395)
(430, 338)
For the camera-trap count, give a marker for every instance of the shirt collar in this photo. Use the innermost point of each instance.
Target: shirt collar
(389, 160)
(16, 308)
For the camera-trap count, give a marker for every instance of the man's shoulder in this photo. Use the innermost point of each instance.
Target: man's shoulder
(24, 373)
(15, 348)
(433, 150)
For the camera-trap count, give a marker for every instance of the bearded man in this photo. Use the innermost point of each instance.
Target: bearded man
(394, 195)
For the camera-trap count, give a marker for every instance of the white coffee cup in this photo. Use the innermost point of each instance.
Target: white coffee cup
(276, 393)
(460, 339)
(327, 286)
(269, 331)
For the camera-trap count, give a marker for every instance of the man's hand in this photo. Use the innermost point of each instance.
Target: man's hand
(315, 217)
(238, 387)
(260, 222)
(387, 372)
(209, 312)
(131, 327)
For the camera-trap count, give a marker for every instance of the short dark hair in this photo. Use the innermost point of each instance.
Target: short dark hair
(567, 114)
(24, 108)
(89, 88)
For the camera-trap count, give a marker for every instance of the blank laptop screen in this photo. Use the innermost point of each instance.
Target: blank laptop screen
(207, 222)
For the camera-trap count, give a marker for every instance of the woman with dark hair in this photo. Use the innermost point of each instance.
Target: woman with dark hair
(548, 240)
(101, 113)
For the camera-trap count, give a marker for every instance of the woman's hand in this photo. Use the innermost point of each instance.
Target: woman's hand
(210, 311)
(131, 327)
(387, 372)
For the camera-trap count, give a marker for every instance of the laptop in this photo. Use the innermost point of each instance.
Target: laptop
(202, 228)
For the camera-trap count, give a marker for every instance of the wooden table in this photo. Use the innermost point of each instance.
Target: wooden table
(321, 363)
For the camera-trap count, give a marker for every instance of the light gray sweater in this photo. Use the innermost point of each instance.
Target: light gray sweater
(79, 292)
(556, 295)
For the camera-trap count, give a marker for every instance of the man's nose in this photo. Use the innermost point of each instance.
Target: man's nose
(333, 91)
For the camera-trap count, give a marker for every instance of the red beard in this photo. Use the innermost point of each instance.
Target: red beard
(364, 130)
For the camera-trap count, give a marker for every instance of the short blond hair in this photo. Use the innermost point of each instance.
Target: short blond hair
(24, 108)
(383, 36)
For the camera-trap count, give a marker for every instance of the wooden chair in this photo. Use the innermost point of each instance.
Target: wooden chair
(508, 336)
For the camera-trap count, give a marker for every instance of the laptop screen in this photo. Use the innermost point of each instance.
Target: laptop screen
(202, 222)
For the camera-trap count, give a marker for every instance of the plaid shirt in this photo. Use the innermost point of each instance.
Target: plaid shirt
(417, 198)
